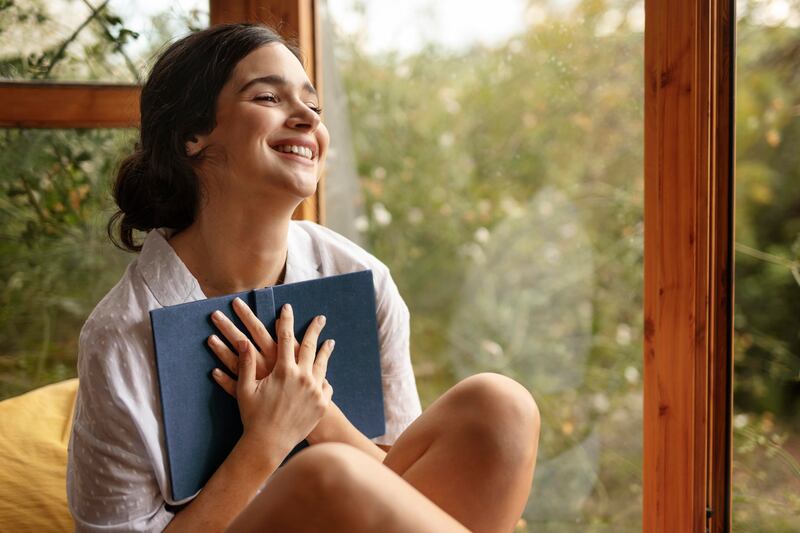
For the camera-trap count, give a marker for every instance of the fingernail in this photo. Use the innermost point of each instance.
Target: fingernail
(287, 308)
(216, 315)
(213, 339)
(238, 301)
(331, 343)
(241, 346)
(217, 372)
(321, 320)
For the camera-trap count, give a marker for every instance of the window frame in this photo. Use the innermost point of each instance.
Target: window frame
(688, 257)
(688, 282)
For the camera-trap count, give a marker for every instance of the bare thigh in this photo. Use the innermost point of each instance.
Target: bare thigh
(335, 487)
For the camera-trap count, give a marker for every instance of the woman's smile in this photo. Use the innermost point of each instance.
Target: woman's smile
(304, 151)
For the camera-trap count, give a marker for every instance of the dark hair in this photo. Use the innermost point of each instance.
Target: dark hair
(157, 186)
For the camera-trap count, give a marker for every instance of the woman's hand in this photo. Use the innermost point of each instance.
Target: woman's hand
(267, 348)
(285, 405)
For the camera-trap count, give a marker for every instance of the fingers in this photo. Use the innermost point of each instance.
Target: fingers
(227, 328)
(286, 340)
(321, 363)
(227, 383)
(228, 358)
(246, 383)
(256, 328)
(305, 356)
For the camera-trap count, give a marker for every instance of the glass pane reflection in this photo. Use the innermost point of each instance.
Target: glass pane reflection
(498, 157)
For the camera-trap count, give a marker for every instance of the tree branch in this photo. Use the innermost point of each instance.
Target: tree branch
(59, 55)
(131, 66)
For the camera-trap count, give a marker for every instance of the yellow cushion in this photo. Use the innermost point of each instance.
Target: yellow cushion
(34, 433)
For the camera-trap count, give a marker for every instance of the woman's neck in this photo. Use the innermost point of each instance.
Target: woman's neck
(234, 249)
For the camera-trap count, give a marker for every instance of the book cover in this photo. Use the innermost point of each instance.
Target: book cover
(201, 421)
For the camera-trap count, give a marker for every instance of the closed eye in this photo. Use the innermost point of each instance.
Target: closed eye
(266, 98)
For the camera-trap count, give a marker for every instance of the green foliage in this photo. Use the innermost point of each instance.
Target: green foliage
(56, 261)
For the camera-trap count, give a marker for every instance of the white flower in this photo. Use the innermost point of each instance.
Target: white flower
(381, 215)
(623, 334)
(361, 223)
(631, 375)
(446, 140)
(482, 235)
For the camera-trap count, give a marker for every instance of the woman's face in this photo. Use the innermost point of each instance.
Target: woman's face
(269, 137)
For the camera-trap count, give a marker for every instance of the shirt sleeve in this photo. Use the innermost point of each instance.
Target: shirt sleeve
(111, 479)
(400, 396)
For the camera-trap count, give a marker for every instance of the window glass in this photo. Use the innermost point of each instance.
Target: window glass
(90, 40)
(493, 159)
(766, 421)
(56, 261)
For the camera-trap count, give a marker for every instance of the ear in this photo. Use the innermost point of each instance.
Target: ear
(195, 144)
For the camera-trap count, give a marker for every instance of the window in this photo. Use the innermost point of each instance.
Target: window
(687, 189)
(498, 157)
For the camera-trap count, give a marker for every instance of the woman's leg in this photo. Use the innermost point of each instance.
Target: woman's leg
(334, 488)
(473, 452)
(470, 455)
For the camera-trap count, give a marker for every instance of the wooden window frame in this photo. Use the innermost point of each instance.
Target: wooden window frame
(688, 279)
(689, 179)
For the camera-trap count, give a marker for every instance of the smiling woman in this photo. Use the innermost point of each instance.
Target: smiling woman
(231, 142)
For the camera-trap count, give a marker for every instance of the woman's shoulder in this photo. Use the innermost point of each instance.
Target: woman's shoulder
(122, 311)
(336, 253)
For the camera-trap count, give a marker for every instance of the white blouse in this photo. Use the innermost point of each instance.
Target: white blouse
(117, 477)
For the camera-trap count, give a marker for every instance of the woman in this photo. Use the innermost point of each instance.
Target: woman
(231, 143)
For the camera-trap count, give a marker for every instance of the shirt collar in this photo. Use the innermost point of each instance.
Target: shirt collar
(302, 257)
(164, 273)
(172, 283)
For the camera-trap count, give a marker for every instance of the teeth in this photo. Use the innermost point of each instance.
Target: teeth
(293, 149)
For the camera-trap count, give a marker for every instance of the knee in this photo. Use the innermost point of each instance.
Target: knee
(325, 467)
(327, 474)
(500, 405)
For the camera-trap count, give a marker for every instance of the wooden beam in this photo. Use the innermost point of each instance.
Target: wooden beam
(722, 168)
(68, 105)
(688, 264)
(295, 20)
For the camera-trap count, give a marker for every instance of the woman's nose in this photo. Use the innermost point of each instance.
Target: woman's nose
(304, 119)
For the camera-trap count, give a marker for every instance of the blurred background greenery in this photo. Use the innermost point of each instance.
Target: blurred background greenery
(499, 175)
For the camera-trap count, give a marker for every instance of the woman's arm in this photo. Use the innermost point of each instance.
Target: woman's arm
(235, 483)
(277, 411)
(335, 427)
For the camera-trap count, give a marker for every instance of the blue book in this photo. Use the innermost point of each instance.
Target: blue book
(201, 421)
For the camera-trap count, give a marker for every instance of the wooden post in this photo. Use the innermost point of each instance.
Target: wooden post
(688, 262)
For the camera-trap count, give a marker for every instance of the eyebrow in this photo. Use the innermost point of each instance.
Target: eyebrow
(275, 79)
